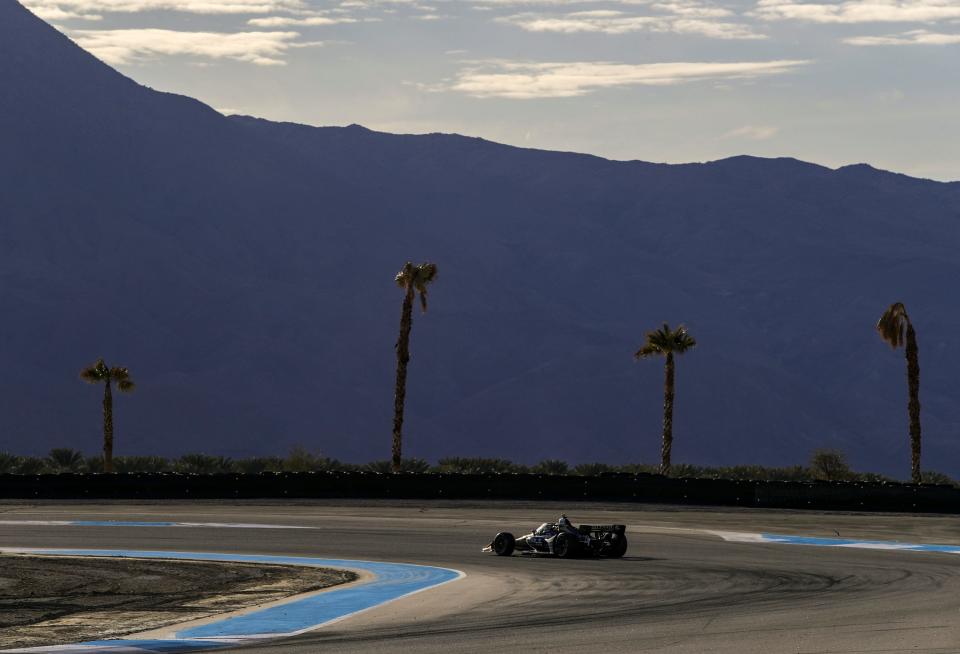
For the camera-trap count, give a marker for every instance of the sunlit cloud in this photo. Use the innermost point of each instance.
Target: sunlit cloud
(692, 9)
(304, 21)
(679, 17)
(48, 9)
(128, 46)
(53, 13)
(615, 22)
(609, 22)
(913, 37)
(483, 4)
(751, 132)
(859, 11)
(712, 29)
(525, 80)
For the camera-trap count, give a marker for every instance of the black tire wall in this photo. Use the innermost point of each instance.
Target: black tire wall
(641, 488)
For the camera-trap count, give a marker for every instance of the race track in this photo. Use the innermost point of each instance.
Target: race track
(680, 588)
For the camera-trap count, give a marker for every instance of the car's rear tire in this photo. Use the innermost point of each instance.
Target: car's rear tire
(565, 547)
(504, 543)
(618, 546)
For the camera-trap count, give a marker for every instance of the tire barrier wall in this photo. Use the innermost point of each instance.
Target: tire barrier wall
(641, 488)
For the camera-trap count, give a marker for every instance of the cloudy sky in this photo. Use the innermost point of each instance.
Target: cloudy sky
(874, 81)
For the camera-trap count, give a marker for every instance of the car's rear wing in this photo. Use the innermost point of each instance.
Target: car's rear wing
(603, 529)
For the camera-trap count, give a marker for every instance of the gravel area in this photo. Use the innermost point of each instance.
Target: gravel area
(55, 600)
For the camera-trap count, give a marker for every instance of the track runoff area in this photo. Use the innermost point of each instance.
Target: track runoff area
(692, 580)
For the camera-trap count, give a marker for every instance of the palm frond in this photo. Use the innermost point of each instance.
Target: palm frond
(665, 340)
(96, 373)
(417, 277)
(406, 275)
(682, 340)
(119, 374)
(893, 324)
(648, 350)
(90, 375)
(426, 272)
(126, 385)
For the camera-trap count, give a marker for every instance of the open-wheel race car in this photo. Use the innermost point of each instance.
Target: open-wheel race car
(563, 540)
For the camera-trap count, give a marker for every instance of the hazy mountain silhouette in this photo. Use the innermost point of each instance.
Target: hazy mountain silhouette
(243, 270)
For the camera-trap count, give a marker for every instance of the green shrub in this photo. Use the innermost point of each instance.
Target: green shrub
(95, 463)
(302, 460)
(637, 468)
(592, 469)
(9, 463)
(258, 464)
(64, 459)
(934, 477)
(203, 464)
(690, 470)
(141, 464)
(790, 473)
(406, 465)
(551, 467)
(477, 466)
(830, 465)
(31, 465)
(761, 473)
(872, 477)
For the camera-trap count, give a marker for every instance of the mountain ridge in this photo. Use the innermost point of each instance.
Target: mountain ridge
(243, 270)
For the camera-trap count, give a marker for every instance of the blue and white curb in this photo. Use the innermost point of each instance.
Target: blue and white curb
(380, 583)
(852, 543)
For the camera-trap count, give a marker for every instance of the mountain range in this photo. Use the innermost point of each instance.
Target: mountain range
(243, 270)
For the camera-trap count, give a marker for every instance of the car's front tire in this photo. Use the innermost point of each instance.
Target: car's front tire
(504, 543)
(565, 547)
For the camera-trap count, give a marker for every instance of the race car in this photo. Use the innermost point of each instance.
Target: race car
(563, 540)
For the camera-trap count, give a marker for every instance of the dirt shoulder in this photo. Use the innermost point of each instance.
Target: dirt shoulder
(56, 600)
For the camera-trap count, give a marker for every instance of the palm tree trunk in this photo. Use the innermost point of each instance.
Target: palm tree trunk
(913, 406)
(667, 417)
(107, 428)
(400, 388)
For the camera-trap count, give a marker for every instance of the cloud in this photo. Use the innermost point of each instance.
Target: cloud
(752, 132)
(682, 17)
(859, 11)
(692, 9)
(913, 37)
(51, 13)
(484, 4)
(524, 80)
(88, 8)
(609, 22)
(712, 29)
(417, 4)
(304, 21)
(126, 46)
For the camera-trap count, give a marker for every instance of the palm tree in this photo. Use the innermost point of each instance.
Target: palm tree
(666, 342)
(63, 459)
(100, 373)
(896, 329)
(414, 281)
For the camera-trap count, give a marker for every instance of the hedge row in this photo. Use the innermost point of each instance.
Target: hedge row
(825, 465)
(645, 488)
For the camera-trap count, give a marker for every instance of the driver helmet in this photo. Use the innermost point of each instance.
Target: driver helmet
(564, 522)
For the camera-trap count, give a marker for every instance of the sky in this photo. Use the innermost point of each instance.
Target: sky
(857, 81)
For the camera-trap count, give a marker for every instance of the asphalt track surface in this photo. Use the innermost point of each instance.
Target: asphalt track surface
(678, 590)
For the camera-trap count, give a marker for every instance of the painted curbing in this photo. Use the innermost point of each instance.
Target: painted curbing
(386, 582)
